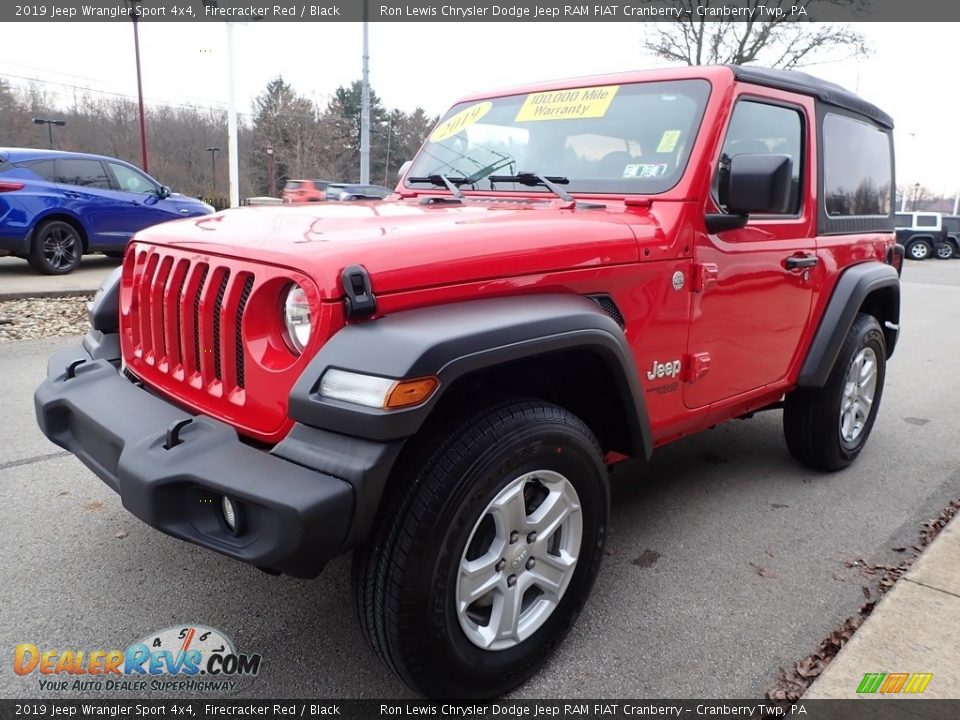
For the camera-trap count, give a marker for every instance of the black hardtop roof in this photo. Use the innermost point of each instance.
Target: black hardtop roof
(800, 82)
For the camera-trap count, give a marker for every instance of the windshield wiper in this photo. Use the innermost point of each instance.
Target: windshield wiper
(441, 180)
(531, 179)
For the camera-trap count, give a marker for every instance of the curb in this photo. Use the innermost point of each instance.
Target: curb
(45, 294)
(911, 630)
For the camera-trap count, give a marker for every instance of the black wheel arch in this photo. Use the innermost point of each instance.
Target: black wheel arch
(527, 346)
(872, 288)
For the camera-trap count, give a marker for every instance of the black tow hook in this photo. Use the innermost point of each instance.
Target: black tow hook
(72, 368)
(173, 433)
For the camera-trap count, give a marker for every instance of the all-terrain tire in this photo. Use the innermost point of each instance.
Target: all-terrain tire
(827, 427)
(408, 578)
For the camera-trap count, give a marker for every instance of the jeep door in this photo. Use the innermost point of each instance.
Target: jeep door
(752, 286)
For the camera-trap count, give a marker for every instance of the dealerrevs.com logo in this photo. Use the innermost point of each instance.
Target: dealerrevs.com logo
(184, 658)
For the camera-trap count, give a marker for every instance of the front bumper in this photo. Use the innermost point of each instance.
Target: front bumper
(293, 518)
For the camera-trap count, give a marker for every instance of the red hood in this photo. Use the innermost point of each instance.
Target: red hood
(405, 245)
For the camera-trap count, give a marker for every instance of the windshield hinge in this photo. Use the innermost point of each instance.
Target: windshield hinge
(358, 294)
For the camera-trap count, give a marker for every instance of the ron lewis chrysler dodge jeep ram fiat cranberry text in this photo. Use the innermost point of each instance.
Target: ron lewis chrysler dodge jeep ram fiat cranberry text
(568, 273)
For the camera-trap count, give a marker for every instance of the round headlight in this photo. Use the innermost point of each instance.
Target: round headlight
(296, 317)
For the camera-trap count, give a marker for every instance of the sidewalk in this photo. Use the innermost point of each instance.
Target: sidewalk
(18, 280)
(915, 628)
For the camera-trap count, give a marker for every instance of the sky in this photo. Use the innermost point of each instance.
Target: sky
(431, 64)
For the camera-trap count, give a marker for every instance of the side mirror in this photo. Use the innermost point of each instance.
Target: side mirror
(752, 184)
(165, 192)
(759, 184)
(403, 169)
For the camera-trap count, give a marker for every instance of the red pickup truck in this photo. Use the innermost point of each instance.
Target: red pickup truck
(569, 274)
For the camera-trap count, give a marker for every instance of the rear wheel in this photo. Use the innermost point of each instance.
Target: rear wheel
(945, 251)
(56, 248)
(919, 250)
(827, 427)
(483, 560)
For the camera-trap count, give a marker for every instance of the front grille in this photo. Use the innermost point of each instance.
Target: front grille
(244, 296)
(186, 318)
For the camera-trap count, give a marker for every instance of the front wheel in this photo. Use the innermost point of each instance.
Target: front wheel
(56, 248)
(827, 427)
(484, 559)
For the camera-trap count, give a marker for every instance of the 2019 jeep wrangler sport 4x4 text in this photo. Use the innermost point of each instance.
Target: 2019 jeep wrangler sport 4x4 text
(568, 274)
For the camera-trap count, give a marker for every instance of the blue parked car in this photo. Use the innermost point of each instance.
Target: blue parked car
(56, 206)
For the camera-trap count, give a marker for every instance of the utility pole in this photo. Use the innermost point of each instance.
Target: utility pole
(365, 106)
(386, 168)
(232, 158)
(134, 7)
(271, 178)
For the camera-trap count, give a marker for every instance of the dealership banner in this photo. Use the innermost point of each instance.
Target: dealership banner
(502, 709)
(478, 11)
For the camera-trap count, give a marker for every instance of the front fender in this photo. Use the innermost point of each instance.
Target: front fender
(452, 340)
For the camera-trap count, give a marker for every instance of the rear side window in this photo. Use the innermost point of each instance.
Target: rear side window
(903, 221)
(43, 168)
(82, 173)
(927, 221)
(857, 168)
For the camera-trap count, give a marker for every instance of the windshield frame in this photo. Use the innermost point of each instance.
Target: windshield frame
(696, 88)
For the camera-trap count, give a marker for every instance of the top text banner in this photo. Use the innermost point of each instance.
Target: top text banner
(478, 11)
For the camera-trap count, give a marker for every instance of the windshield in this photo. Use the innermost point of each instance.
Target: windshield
(618, 139)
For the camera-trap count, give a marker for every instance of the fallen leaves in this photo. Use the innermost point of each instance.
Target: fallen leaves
(763, 571)
(92, 506)
(792, 683)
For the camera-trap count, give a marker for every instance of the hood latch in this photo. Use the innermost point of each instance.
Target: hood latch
(358, 293)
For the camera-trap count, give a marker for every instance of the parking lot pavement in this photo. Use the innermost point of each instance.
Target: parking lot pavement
(19, 280)
(726, 559)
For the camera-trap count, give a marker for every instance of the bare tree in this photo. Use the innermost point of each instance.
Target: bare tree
(787, 40)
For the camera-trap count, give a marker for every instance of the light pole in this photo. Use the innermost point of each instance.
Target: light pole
(134, 9)
(271, 181)
(916, 193)
(49, 124)
(365, 106)
(213, 165)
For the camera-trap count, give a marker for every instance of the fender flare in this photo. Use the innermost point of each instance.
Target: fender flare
(853, 288)
(452, 340)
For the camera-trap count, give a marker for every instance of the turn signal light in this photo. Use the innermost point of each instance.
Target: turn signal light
(411, 392)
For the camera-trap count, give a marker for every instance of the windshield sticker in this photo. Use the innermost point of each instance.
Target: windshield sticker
(461, 121)
(589, 102)
(645, 170)
(668, 141)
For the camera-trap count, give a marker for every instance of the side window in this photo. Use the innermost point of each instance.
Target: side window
(130, 180)
(857, 173)
(903, 220)
(758, 128)
(43, 168)
(83, 173)
(927, 221)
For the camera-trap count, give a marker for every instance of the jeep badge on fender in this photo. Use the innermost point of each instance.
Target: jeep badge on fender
(438, 386)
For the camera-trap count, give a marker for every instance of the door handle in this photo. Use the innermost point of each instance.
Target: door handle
(71, 194)
(795, 262)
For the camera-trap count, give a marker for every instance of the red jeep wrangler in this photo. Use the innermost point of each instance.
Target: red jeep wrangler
(568, 274)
